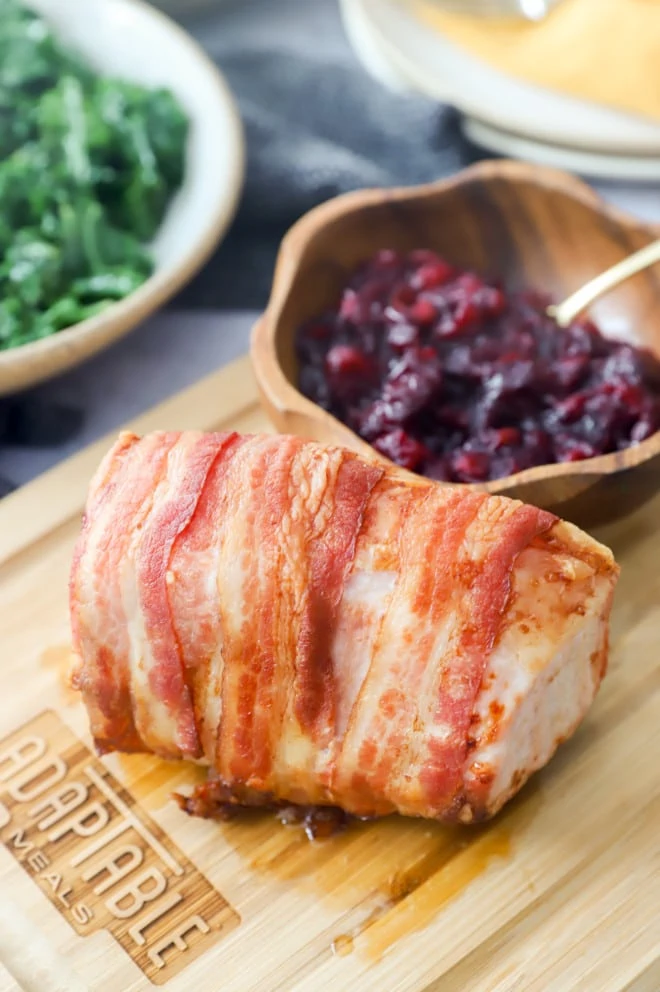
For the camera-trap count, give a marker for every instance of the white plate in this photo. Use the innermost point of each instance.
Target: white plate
(404, 53)
(643, 168)
(130, 39)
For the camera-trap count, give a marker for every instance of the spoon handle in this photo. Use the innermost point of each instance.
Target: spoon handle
(567, 311)
(531, 10)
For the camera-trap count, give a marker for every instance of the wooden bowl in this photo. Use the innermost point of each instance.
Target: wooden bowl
(531, 226)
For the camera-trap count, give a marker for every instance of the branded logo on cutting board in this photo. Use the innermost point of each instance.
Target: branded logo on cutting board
(100, 860)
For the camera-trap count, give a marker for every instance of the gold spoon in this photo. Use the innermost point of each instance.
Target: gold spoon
(571, 307)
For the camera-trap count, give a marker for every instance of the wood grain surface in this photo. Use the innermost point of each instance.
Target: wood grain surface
(561, 892)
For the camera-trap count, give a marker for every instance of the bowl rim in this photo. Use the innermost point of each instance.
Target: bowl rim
(95, 333)
(283, 395)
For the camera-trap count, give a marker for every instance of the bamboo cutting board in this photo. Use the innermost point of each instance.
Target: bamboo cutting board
(105, 885)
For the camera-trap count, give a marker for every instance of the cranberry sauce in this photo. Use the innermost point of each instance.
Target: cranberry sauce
(454, 378)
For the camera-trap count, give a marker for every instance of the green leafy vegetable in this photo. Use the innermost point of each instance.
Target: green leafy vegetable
(88, 167)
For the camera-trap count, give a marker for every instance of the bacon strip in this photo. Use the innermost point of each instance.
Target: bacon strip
(312, 625)
(411, 639)
(161, 665)
(194, 605)
(329, 558)
(121, 490)
(250, 689)
(500, 531)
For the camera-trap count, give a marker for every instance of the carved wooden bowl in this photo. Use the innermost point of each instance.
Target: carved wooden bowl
(530, 226)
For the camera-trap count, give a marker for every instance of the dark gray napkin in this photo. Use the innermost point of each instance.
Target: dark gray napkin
(316, 124)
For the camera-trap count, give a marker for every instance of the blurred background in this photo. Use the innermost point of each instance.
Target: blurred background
(336, 95)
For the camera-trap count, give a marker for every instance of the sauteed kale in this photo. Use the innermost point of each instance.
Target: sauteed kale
(88, 166)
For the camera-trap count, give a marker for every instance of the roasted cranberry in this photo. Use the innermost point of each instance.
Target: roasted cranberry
(402, 336)
(470, 466)
(579, 341)
(347, 370)
(539, 444)
(571, 408)
(449, 375)
(642, 429)
(571, 450)
(513, 377)
(422, 312)
(412, 382)
(453, 417)
(491, 300)
(342, 359)
(568, 372)
(625, 364)
(401, 300)
(505, 437)
(375, 419)
(401, 448)
(631, 397)
(465, 313)
(351, 307)
(432, 274)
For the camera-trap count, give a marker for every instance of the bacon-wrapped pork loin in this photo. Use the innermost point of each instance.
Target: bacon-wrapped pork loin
(321, 630)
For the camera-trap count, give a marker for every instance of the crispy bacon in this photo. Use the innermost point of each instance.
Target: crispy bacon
(121, 491)
(323, 632)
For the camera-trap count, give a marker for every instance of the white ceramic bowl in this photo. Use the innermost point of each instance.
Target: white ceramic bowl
(130, 39)
(502, 113)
